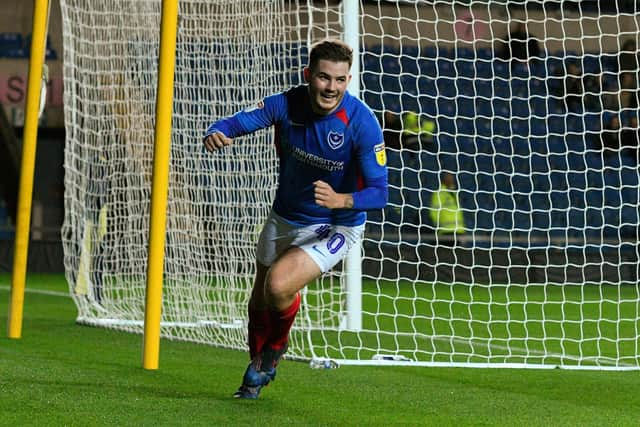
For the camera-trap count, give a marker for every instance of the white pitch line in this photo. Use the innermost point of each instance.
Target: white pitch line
(39, 291)
(473, 342)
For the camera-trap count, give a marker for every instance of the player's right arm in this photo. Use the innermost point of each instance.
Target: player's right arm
(221, 133)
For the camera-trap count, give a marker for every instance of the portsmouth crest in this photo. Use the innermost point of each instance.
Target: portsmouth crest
(335, 139)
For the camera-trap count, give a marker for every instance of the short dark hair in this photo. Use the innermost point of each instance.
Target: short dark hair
(332, 50)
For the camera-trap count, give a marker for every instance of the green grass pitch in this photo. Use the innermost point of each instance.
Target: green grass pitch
(60, 373)
(534, 323)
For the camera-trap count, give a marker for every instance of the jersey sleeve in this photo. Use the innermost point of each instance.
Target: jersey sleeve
(370, 149)
(265, 113)
(372, 162)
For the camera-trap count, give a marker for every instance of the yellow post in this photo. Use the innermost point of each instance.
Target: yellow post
(23, 222)
(160, 186)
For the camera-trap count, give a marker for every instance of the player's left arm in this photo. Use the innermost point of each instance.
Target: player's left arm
(372, 161)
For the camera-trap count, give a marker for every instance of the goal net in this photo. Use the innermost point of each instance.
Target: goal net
(542, 269)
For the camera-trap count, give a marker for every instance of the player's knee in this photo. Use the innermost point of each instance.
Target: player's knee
(278, 288)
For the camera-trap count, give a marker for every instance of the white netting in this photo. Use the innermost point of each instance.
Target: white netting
(546, 272)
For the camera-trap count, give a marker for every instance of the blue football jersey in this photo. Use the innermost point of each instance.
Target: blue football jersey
(344, 149)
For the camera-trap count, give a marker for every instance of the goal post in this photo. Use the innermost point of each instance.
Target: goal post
(545, 273)
(352, 320)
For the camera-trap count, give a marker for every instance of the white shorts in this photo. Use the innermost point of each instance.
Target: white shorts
(326, 244)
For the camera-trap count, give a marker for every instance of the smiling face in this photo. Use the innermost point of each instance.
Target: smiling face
(328, 82)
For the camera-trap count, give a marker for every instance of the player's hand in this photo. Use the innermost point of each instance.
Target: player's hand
(327, 198)
(215, 141)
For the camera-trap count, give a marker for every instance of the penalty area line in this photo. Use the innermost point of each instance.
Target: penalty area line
(38, 291)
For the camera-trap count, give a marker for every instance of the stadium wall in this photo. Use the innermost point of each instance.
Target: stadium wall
(16, 19)
(556, 31)
(431, 263)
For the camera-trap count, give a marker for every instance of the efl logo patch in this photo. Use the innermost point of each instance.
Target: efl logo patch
(381, 155)
(335, 139)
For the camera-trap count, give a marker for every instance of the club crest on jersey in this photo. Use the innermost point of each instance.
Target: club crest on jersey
(335, 139)
(381, 155)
